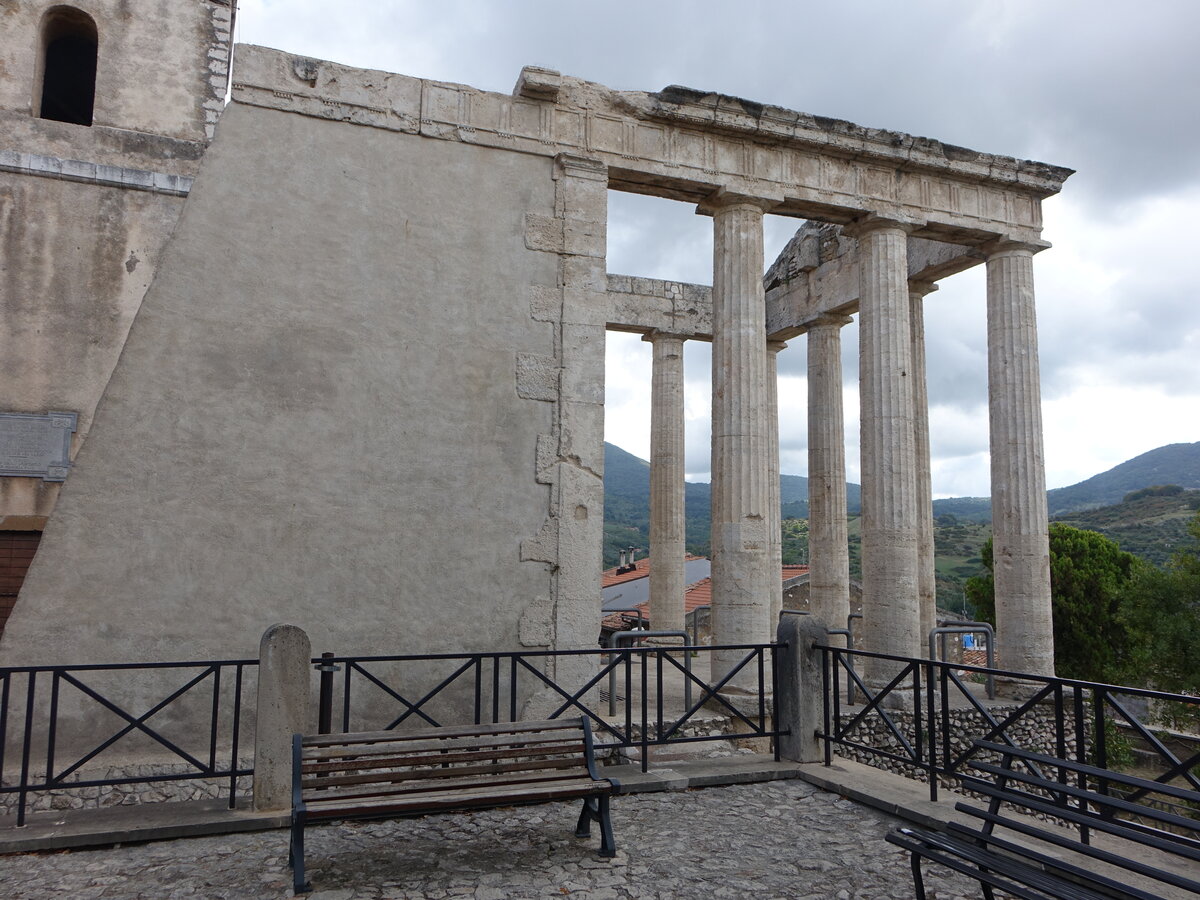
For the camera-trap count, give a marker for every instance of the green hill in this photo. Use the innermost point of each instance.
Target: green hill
(627, 504)
(1126, 503)
(1173, 464)
(1150, 523)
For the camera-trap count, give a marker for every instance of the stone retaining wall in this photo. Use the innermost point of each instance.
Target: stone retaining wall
(103, 796)
(1035, 730)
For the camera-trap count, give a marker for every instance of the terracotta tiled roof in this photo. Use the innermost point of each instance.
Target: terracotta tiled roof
(641, 568)
(700, 594)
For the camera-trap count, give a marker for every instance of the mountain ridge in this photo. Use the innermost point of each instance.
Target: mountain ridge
(627, 494)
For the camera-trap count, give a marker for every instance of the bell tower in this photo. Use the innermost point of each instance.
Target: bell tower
(106, 110)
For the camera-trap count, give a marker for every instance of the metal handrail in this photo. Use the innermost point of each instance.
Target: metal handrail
(695, 615)
(41, 721)
(967, 628)
(572, 700)
(936, 751)
(641, 636)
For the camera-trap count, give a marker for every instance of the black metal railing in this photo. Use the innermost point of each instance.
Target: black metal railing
(49, 711)
(493, 687)
(926, 716)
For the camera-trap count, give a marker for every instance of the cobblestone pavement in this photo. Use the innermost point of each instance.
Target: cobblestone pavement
(777, 839)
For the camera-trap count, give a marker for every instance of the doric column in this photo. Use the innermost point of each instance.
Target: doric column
(741, 579)
(1021, 550)
(774, 514)
(926, 577)
(666, 483)
(891, 618)
(828, 550)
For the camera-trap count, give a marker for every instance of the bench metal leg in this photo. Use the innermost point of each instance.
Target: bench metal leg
(296, 860)
(918, 879)
(608, 847)
(584, 827)
(597, 808)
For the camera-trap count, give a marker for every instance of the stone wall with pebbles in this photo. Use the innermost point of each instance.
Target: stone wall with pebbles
(1035, 730)
(101, 796)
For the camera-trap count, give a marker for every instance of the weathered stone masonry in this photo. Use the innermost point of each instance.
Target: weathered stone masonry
(315, 406)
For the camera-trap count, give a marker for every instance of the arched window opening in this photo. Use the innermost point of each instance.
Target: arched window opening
(69, 45)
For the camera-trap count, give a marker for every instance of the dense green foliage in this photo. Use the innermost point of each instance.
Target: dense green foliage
(1089, 577)
(1116, 617)
(1162, 614)
(795, 542)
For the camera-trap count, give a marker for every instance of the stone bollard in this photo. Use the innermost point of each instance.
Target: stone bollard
(285, 707)
(799, 703)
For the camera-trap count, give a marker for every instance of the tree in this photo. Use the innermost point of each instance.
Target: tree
(1162, 613)
(1089, 578)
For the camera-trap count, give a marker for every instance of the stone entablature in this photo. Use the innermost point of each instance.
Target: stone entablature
(684, 144)
(812, 282)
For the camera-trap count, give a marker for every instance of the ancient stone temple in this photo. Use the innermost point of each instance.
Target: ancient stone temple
(351, 376)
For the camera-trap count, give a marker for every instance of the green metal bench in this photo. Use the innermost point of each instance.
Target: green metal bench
(1036, 859)
(388, 774)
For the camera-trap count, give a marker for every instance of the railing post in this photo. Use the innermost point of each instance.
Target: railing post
(284, 709)
(325, 697)
(799, 704)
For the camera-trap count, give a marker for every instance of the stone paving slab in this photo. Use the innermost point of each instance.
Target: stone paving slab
(77, 828)
(773, 839)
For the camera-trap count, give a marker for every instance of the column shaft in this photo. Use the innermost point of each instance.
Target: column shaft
(740, 460)
(891, 617)
(666, 484)
(828, 550)
(774, 501)
(1025, 635)
(926, 573)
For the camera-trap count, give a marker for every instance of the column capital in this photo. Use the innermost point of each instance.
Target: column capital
(723, 199)
(656, 335)
(921, 288)
(871, 222)
(568, 164)
(775, 346)
(828, 320)
(1004, 246)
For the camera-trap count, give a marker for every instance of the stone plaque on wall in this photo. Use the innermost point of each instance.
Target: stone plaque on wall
(36, 446)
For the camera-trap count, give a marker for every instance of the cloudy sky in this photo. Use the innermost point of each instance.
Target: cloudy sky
(1108, 88)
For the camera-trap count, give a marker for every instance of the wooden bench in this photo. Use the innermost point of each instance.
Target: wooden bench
(388, 774)
(1143, 841)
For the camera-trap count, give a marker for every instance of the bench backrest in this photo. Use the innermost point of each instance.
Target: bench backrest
(1096, 798)
(1093, 799)
(358, 767)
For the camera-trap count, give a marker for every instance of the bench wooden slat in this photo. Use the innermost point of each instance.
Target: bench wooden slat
(1093, 797)
(1085, 870)
(413, 745)
(487, 796)
(914, 842)
(1138, 867)
(1164, 841)
(326, 781)
(448, 731)
(1133, 781)
(414, 788)
(380, 774)
(448, 757)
